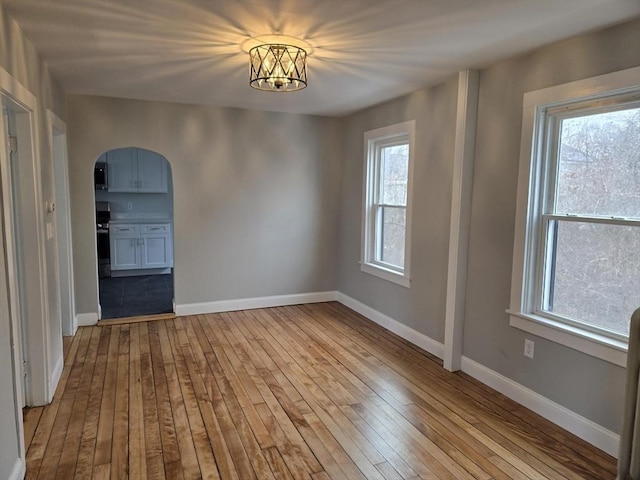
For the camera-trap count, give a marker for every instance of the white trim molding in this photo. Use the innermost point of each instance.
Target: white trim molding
(385, 273)
(608, 349)
(253, 303)
(19, 470)
(86, 319)
(374, 140)
(57, 135)
(580, 426)
(29, 207)
(584, 428)
(526, 307)
(420, 339)
(55, 375)
(464, 154)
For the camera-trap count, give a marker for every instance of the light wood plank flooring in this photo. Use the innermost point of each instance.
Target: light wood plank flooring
(310, 391)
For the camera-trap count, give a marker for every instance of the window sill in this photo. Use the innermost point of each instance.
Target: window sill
(599, 346)
(386, 274)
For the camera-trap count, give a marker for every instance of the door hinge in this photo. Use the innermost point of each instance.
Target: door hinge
(13, 144)
(25, 368)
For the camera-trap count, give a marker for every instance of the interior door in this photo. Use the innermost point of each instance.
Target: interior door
(24, 216)
(12, 245)
(63, 224)
(11, 397)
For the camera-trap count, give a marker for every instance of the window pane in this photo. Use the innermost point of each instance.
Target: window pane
(392, 236)
(599, 165)
(596, 279)
(394, 170)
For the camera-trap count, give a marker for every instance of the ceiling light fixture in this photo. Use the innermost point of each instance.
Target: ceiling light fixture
(278, 67)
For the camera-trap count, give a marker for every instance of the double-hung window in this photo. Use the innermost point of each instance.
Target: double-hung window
(387, 198)
(576, 276)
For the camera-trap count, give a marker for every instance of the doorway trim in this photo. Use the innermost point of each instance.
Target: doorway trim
(57, 133)
(30, 207)
(89, 319)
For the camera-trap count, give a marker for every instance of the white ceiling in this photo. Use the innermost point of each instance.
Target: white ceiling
(364, 51)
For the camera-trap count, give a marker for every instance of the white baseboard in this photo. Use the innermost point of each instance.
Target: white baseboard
(252, 303)
(55, 376)
(420, 339)
(18, 471)
(74, 324)
(86, 319)
(580, 426)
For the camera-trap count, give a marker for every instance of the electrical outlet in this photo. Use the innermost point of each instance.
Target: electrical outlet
(129, 206)
(528, 348)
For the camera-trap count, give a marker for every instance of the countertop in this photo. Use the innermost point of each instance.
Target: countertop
(142, 218)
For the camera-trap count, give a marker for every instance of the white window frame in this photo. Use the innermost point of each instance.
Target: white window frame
(528, 255)
(404, 133)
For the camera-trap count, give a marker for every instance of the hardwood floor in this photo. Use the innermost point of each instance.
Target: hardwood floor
(310, 391)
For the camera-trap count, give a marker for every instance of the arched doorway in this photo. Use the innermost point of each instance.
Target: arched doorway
(134, 228)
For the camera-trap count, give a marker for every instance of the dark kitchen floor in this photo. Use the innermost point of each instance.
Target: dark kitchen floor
(134, 296)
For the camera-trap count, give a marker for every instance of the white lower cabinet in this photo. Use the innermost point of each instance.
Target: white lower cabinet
(141, 246)
(156, 246)
(125, 247)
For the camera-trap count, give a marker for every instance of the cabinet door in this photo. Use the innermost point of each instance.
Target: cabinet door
(152, 172)
(125, 252)
(156, 250)
(157, 245)
(122, 170)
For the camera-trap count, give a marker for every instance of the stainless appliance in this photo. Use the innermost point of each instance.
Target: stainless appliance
(100, 177)
(103, 215)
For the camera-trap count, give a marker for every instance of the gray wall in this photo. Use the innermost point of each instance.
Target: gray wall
(421, 307)
(19, 58)
(254, 217)
(587, 386)
(255, 195)
(583, 384)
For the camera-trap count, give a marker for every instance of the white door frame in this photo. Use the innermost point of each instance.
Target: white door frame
(30, 208)
(91, 317)
(58, 148)
(14, 338)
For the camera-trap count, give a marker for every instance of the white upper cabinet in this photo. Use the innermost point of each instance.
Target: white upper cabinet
(152, 172)
(122, 170)
(135, 170)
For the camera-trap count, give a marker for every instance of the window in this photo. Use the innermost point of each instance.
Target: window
(576, 276)
(387, 214)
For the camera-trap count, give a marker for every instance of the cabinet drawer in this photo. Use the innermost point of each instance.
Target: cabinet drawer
(124, 229)
(155, 228)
